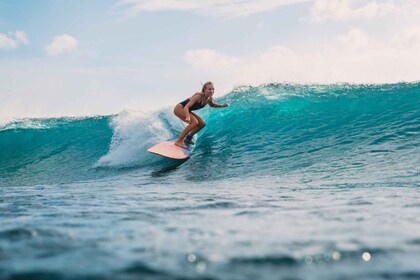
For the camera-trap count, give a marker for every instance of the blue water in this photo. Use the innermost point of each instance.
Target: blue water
(288, 182)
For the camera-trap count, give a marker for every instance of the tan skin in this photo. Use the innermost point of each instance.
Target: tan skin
(195, 123)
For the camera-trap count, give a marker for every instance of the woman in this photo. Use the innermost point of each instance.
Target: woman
(184, 110)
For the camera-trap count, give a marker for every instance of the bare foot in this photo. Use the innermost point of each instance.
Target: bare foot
(188, 141)
(180, 145)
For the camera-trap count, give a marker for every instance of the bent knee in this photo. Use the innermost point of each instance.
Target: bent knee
(194, 122)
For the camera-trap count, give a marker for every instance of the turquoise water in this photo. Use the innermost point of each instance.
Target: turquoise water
(288, 182)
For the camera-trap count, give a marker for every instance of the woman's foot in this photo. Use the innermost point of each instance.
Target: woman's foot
(180, 145)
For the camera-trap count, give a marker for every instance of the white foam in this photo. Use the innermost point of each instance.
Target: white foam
(134, 133)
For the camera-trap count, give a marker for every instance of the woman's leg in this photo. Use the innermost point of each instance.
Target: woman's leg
(200, 125)
(180, 113)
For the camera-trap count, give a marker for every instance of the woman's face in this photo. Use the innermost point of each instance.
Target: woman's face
(209, 90)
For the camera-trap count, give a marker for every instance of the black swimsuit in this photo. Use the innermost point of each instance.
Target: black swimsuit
(194, 107)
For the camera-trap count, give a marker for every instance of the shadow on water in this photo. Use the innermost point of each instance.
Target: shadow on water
(170, 166)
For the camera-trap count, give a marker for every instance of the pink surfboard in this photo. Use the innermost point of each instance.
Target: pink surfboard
(170, 150)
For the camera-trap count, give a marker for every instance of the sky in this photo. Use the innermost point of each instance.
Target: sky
(100, 57)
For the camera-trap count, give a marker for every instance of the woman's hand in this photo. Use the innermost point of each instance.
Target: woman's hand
(225, 105)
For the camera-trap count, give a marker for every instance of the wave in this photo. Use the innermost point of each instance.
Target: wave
(337, 133)
(39, 151)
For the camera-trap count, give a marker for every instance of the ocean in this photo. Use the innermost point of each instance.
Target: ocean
(288, 182)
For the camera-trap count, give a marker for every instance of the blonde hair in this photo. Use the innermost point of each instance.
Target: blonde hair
(205, 85)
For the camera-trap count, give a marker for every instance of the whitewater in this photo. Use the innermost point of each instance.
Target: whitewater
(290, 181)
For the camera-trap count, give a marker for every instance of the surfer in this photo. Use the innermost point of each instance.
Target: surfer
(184, 110)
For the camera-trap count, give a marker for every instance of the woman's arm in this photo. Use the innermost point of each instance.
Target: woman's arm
(215, 105)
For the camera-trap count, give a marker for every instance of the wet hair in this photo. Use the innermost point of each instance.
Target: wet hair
(205, 85)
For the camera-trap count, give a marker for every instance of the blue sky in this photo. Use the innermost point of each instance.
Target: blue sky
(72, 58)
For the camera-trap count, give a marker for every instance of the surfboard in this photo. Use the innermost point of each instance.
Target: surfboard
(170, 150)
